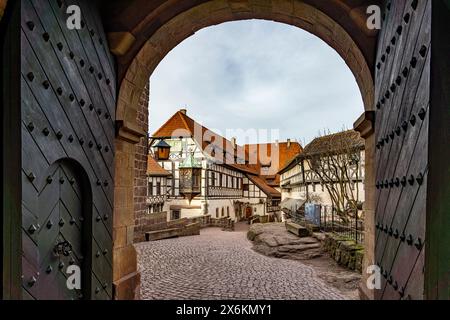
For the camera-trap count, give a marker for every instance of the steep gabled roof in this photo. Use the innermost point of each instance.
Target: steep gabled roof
(283, 152)
(272, 180)
(154, 169)
(264, 152)
(335, 143)
(219, 148)
(175, 127)
(262, 184)
(212, 144)
(288, 166)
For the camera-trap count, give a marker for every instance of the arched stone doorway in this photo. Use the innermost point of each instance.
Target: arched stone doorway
(142, 32)
(339, 24)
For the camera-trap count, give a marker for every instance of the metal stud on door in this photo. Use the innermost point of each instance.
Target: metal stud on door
(57, 244)
(402, 133)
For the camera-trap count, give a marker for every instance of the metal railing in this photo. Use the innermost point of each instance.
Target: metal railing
(327, 220)
(352, 226)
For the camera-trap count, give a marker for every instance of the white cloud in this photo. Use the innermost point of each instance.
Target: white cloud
(256, 74)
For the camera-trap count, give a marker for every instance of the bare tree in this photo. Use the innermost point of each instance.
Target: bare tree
(335, 159)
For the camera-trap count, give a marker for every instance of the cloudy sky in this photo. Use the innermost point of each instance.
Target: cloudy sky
(256, 76)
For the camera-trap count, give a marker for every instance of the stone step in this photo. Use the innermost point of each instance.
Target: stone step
(297, 229)
(163, 234)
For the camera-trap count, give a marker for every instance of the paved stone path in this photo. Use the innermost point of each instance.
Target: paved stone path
(221, 265)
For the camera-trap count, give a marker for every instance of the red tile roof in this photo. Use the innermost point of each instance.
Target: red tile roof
(175, 127)
(213, 144)
(273, 181)
(290, 164)
(154, 169)
(262, 184)
(180, 125)
(285, 152)
(265, 153)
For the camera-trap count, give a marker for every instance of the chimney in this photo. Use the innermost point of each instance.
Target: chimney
(288, 143)
(183, 111)
(233, 142)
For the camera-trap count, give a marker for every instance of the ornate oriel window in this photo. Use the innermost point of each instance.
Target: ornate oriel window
(162, 150)
(190, 177)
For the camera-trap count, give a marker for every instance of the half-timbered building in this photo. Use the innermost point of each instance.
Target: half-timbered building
(271, 157)
(156, 187)
(300, 182)
(208, 174)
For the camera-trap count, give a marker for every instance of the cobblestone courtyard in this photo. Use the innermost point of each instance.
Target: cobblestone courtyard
(222, 265)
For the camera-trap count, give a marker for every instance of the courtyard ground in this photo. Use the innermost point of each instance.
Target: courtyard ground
(222, 265)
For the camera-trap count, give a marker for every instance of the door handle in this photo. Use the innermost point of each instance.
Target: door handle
(64, 248)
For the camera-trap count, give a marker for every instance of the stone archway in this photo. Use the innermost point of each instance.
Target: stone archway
(143, 32)
(292, 12)
(185, 24)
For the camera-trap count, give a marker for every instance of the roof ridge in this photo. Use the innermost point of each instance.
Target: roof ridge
(190, 125)
(263, 185)
(335, 134)
(270, 143)
(182, 115)
(213, 133)
(172, 118)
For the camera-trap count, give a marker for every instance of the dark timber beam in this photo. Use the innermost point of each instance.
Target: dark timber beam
(437, 263)
(10, 219)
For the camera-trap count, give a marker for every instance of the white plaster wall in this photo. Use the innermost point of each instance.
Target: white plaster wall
(325, 199)
(255, 204)
(206, 207)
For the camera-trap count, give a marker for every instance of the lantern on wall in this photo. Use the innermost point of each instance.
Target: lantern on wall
(162, 149)
(190, 177)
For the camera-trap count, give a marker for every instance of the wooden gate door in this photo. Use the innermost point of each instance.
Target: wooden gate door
(402, 136)
(57, 233)
(248, 212)
(68, 99)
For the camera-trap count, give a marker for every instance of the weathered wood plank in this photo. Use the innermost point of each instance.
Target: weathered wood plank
(92, 19)
(81, 82)
(45, 58)
(411, 159)
(402, 135)
(70, 150)
(387, 123)
(58, 124)
(47, 99)
(101, 99)
(398, 163)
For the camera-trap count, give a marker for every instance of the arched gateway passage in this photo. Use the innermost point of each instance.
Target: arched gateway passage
(339, 24)
(392, 69)
(355, 44)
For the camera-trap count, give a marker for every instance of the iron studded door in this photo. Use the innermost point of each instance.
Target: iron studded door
(402, 135)
(68, 99)
(58, 234)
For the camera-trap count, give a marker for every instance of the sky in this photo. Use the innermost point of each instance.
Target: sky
(269, 80)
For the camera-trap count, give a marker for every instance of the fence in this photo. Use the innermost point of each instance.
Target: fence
(351, 227)
(326, 218)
